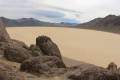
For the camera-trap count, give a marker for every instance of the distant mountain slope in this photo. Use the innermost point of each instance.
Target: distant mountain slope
(110, 23)
(110, 20)
(29, 22)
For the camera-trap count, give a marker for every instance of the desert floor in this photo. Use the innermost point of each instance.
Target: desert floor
(89, 46)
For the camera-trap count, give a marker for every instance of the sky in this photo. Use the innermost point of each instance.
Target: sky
(72, 11)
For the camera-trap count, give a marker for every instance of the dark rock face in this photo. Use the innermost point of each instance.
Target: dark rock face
(112, 67)
(42, 64)
(3, 33)
(8, 73)
(47, 46)
(36, 51)
(16, 54)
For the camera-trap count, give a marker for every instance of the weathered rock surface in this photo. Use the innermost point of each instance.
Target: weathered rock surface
(43, 65)
(4, 36)
(112, 67)
(16, 54)
(92, 73)
(47, 46)
(8, 73)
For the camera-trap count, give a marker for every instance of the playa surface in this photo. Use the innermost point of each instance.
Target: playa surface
(89, 46)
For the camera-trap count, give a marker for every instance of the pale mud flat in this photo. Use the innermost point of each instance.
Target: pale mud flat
(95, 47)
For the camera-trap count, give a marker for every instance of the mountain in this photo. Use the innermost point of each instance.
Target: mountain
(28, 22)
(110, 23)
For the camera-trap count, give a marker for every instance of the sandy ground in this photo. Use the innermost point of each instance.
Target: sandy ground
(89, 46)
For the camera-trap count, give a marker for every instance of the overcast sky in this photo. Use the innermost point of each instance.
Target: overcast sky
(59, 10)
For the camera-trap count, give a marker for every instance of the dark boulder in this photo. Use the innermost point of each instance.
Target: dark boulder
(47, 46)
(42, 64)
(36, 51)
(8, 73)
(112, 67)
(16, 54)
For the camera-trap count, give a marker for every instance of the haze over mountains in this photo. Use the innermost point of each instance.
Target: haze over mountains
(31, 22)
(110, 23)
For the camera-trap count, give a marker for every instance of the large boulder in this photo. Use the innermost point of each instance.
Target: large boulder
(42, 65)
(8, 73)
(3, 33)
(47, 46)
(91, 73)
(16, 54)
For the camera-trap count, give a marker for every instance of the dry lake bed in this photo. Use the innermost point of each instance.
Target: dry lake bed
(89, 46)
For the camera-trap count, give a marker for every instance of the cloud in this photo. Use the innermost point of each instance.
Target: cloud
(54, 16)
(49, 14)
(29, 8)
(57, 10)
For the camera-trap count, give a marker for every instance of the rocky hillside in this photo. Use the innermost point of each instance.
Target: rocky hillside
(110, 23)
(43, 59)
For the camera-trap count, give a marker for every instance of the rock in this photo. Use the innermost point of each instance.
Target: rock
(4, 36)
(58, 71)
(118, 70)
(93, 73)
(1, 52)
(112, 67)
(47, 46)
(6, 41)
(16, 54)
(12, 43)
(42, 64)
(18, 43)
(36, 51)
(8, 73)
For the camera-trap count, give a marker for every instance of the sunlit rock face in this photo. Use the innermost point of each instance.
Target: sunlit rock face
(4, 36)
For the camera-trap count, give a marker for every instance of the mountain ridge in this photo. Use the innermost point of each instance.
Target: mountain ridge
(31, 22)
(110, 23)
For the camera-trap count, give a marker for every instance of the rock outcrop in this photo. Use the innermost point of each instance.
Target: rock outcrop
(47, 46)
(13, 50)
(42, 65)
(16, 54)
(93, 73)
(8, 73)
(4, 36)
